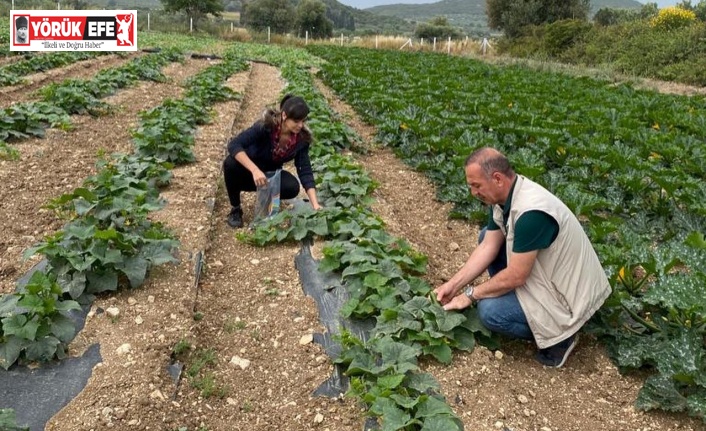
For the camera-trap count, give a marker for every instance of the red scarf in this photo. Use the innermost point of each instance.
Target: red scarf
(281, 151)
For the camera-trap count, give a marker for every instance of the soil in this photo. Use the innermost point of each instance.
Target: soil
(237, 317)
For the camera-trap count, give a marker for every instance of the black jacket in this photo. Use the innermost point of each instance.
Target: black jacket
(257, 143)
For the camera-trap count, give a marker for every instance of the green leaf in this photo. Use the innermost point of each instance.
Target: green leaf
(42, 349)
(404, 401)
(432, 406)
(319, 226)
(385, 299)
(63, 328)
(20, 326)
(159, 252)
(441, 352)
(422, 382)
(442, 423)
(682, 356)
(417, 306)
(682, 291)
(349, 307)
(660, 392)
(66, 305)
(464, 339)
(329, 264)
(696, 404)
(74, 283)
(362, 363)
(102, 282)
(8, 303)
(398, 353)
(473, 322)
(394, 418)
(80, 231)
(390, 382)
(446, 321)
(135, 268)
(10, 350)
(357, 269)
(419, 286)
(375, 280)
(696, 240)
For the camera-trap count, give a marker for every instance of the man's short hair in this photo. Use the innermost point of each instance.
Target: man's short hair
(490, 160)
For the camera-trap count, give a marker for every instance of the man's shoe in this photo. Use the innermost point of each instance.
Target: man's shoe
(556, 355)
(235, 218)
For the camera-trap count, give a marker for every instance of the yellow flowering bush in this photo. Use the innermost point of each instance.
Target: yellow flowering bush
(672, 17)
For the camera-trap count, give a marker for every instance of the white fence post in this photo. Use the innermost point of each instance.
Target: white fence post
(306, 37)
(484, 45)
(341, 39)
(434, 46)
(231, 27)
(268, 35)
(148, 21)
(191, 25)
(448, 46)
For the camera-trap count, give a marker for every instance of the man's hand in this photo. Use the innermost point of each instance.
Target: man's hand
(459, 302)
(445, 293)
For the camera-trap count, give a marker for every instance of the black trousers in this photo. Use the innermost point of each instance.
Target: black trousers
(239, 179)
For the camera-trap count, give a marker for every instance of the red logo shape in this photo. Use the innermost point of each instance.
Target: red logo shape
(125, 32)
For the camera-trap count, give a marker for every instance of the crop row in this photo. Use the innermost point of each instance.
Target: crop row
(75, 96)
(381, 274)
(631, 164)
(15, 73)
(108, 241)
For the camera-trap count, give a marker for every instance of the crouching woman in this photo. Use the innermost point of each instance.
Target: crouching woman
(279, 137)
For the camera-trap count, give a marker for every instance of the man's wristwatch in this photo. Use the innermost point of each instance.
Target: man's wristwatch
(469, 293)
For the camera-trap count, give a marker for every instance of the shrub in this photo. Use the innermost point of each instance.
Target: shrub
(561, 35)
(671, 18)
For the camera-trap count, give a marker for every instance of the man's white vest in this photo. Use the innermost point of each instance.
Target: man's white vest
(567, 283)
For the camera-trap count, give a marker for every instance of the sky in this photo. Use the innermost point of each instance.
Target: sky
(363, 4)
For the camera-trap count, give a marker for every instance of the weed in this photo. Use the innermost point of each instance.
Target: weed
(234, 325)
(202, 358)
(8, 153)
(208, 386)
(247, 406)
(181, 347)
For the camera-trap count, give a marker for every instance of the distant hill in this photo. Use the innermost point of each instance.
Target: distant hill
(469, 15)
(363, 21)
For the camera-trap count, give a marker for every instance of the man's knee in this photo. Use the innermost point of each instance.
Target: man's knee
(487, 313)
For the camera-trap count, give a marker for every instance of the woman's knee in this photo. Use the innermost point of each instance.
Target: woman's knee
(289, 188)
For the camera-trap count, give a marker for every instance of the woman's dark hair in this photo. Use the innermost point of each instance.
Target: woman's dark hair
(294, 106)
